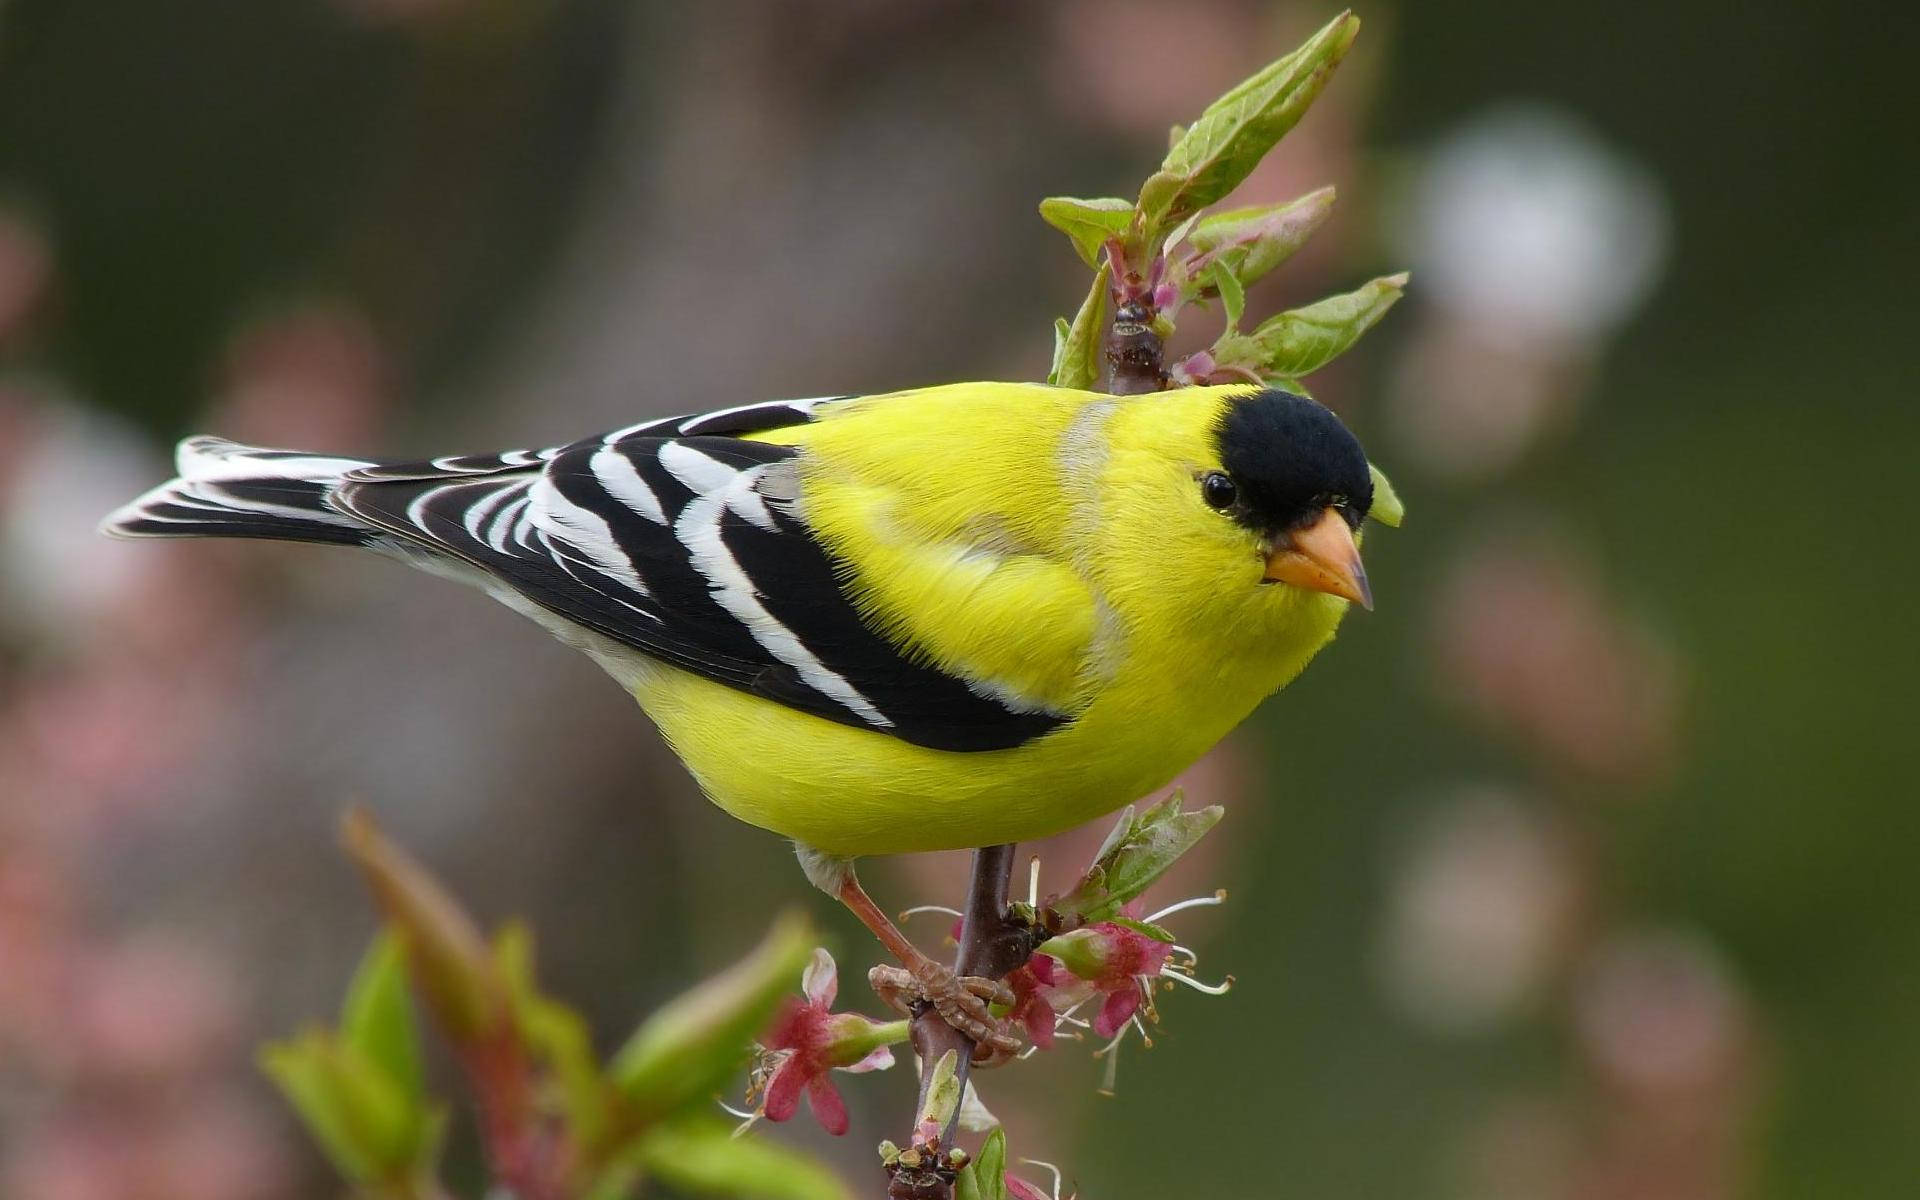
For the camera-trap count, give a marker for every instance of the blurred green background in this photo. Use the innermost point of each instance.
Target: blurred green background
(1582, 868)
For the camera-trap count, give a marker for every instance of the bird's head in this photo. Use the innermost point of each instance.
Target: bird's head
(1297, 484)
(1252, 501)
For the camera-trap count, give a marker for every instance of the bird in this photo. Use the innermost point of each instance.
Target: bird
(940, 618)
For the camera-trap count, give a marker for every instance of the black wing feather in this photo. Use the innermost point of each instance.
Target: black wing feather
(658, 538)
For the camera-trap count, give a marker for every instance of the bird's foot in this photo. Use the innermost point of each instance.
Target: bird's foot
(963, 1001)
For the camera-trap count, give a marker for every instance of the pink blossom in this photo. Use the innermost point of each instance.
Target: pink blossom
(1020, 1189)
(808, 1040)
(1119, 963)
(1121, 966)
(1034, 986)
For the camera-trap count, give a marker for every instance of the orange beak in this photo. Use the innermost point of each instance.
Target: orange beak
(1322, 558)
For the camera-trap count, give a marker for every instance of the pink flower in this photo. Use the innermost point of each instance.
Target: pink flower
(1035, 985)
(1121, 967)
(1120, 964)
(808, 1040)
(1020, 1189)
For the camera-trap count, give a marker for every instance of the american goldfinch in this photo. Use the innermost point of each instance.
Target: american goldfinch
(934, 619)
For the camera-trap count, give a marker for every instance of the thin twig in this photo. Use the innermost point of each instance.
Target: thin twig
(992, 945)
(1136, 355)
(1135, 350)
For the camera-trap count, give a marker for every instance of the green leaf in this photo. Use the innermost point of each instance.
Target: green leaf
(1232, 298)
(556, 1036)
(1088, 222)
(1157, 838)
(992, 1159)
(967, 1185)
(985, 1177)
(1158, 933)
(1137, 851)
(1180, 232)
(702, 1155)
(1302, 340)
(943, 1092)
(360, 1117)
(1253, 241)
(377, 1018)
(1162, 836)
(1236, 131)
(685, 1051)
(1076, 347)
(617, 1180)
(1387, 508)
(360, 1092)
(1152, 212)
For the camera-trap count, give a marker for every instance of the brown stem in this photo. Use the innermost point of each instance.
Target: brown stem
(992, 944)
(1136, 355)
(1135, 350)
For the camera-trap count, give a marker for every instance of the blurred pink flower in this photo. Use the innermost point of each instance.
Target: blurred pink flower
(1533, 240)
(314, 376)
(1527, 639)
(1659, 1013)
(193, 1147)
(33, 908)
(1484, 901)
(151, 1008)
(26, 265)
(1667, 1033)
(1212, 42)
(1467, 406)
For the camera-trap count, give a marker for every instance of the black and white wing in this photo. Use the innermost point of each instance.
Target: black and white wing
(679, 539)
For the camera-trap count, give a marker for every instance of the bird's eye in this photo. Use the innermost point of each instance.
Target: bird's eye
(1218, 490)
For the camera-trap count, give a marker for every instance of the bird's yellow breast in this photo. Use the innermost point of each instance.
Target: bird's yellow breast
(855, 792)
(1045, 545)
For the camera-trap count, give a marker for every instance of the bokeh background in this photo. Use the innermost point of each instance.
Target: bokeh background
(1583, 869)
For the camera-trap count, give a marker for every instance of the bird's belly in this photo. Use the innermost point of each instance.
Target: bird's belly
(856, 792)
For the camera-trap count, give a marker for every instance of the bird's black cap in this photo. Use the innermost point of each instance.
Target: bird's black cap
(1290, 459)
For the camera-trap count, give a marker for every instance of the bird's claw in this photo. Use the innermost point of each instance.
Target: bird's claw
(963, 1001)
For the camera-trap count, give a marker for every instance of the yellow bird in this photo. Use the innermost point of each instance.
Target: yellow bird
(934, 619)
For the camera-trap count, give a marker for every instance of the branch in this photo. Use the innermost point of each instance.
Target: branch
(1135, 346)
(992, 944)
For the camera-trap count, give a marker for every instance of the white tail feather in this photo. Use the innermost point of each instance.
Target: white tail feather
(226, 489)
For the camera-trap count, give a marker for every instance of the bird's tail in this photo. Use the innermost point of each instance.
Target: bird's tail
(229, 490)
